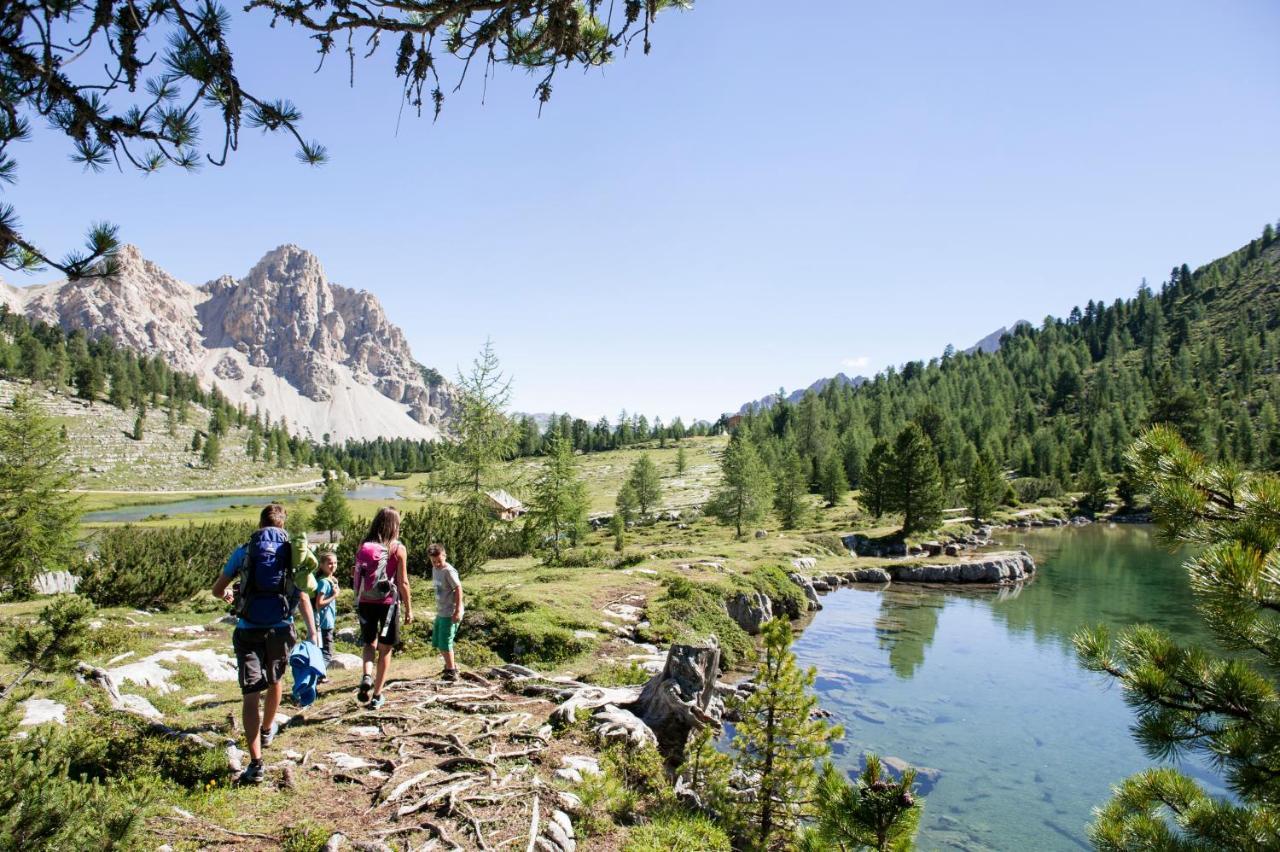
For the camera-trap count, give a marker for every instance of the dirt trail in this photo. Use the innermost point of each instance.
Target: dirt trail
(467, 765)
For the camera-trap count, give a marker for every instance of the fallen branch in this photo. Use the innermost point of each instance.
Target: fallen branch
(533, 827)
(405, 786)
(455, 762)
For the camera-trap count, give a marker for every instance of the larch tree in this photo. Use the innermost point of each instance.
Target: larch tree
(645, 484)
(39, 517)
(876, 478)
(745, 494)
(1190, 700)
(333, 513)
(832, 482)
(486, 437)
(983, 487)
(777, 744)
(915, 488)
(559, 507)
(791, 495)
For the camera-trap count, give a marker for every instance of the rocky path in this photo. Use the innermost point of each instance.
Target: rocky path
(467, 765)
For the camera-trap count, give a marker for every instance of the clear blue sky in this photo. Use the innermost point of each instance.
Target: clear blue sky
(780, 191)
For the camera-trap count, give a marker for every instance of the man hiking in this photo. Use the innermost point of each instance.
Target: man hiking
(264, 597)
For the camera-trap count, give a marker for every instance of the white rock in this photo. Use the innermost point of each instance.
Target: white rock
(569, 801)
(573, 776)
(584, 765)
(188, 630)
(119, 657)
(349, 762)
(562, 819)
(342, 661)
(235, 758)
(585, 634)
(365, 730)
(140, 706)
(196, 699)
(39, 711)
(149, 673)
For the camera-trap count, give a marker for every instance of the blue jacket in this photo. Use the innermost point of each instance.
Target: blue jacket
(307, 663)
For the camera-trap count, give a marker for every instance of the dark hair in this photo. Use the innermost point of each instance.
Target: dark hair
(273, 515)
(385, 527)
(435, 550)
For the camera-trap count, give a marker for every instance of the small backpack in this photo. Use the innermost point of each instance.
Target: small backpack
(371, 569)
(265, 592)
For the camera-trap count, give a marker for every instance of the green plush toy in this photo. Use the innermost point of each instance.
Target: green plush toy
(305, 564)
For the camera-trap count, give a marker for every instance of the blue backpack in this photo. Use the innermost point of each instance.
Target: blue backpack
(266, 593)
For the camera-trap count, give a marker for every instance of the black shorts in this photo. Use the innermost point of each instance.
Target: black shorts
(379, 623)
(262, 655)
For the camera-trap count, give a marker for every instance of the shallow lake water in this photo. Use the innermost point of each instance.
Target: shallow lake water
(984, 686)
(198, 505)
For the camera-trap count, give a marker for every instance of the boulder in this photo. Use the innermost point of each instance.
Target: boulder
(682, 697)
(348, 634)
(810, 593)
(871, 575)
(804, 563)
(926, 776)
(751, 610)
(55, 583)
(933, 548)
(762, 534)
(343, 661)
(951, 550)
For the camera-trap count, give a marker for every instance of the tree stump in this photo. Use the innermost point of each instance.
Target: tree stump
(682, 697)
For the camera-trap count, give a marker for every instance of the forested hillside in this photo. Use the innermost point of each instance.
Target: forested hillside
(1066, 398)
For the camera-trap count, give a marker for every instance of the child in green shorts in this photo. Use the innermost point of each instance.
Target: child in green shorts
(448, 608)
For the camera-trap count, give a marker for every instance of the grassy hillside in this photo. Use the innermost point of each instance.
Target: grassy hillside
(108, 458)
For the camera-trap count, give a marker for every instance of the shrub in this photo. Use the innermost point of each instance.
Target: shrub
(630, 784)
(1031, 489)
(158, 568)
(521, 631)
(627, 559)
(466, 530)
(675, 830)
(43, 807)
(121, 745)
(828, 542)
(788, 598)
(618, 674)
(475, 655)
(585, 557)
(691, 613)
(304, 836)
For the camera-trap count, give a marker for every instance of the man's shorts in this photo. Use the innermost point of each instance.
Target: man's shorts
(379, 623)
(262, 655)
(442, 634)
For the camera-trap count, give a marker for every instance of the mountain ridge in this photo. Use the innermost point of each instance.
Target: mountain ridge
(282, 338)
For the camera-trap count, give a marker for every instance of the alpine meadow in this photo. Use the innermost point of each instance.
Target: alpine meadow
(567, 425)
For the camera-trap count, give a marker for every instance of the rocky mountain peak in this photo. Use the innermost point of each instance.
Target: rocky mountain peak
(280, 332)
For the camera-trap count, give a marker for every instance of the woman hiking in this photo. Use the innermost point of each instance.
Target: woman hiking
(381, 585)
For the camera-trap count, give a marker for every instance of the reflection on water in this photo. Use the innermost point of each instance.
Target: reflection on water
(983, 686)
(200, 505)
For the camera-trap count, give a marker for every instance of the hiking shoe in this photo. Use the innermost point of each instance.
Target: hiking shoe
(375, 702)
(253, 773)
(449, 674)
(269, 734)
(366, 684)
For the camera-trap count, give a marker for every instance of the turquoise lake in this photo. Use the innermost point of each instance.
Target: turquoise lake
(984, 686)
(196, 505)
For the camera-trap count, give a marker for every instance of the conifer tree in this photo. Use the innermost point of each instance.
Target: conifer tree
(777, 744)
(332, 513)
(876, 478)
(1188, 699)
(618, 529)
(196, 442)
(790, 498)
(681, 461)
(254, 446)
(1094, 484)
(983, 487)
(560, 496)
(744, 497)
(485, 435)
(39, 517)
(54, 642)
(138, 425)
(877, 812)
(645, 484)
(89, 380)
(915, 488)
(212, 451)
(625, 503)
(831, 478)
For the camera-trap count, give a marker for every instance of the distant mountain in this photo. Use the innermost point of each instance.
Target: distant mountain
(283, 339)
(991, 343)
(840, 379)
